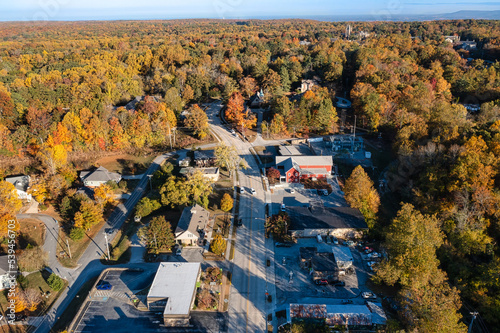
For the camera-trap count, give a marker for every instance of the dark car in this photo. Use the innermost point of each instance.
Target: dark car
(104, 286)
(278, 244)
(339, 283)
(321, 282)
(346, 301)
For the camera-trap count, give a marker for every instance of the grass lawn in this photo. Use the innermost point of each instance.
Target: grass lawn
(67, 316)
(126, 163)
(31, 231)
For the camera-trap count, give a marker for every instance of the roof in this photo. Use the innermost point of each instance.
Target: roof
(307, 252)
(177, 282)
(305, 161)
(325, 218)
(21, 182)
(204, 154)
(4, 265)
(313, 171)
(101, 174)
(205, 171)
(378, 314)
(289, 150)
(324, 262)
(193, 218)
(336, 314)
(342, 254)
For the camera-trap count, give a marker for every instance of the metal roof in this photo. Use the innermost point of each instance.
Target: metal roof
(343, 256)
(325, 218)
(177, 282)
(101, 174)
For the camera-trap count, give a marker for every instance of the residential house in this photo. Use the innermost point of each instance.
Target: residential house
(209, 174)
(98, 177)
(173, 292)
(192, 225)
(185, 162)
(22, 184)
(8, 271)
(295, 168)
(342, 222)
(204, 158)
(452, 39)
(468, 45)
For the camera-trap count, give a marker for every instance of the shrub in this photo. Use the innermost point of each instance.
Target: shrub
(55, 282)
(76, 234)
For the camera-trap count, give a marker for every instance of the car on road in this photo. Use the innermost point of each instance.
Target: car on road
(233, 132)
(103, 285)
(252, 190)
(242, 189)
(368, 295)
(283, 207)
(346, 301)
(321, 282)
(339, 283)
(239, 223)
(279, 244)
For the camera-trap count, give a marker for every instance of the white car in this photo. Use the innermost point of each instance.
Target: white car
(292, 190)
(368, 294)
(253, 191)
(233, 132)
(242, 189)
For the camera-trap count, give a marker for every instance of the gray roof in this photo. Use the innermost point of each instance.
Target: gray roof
(20, 182)
(204, 154)
(177, 282)
(4, 265)
(193, 218)
(289, 150)
(342, 255)
(304, 162)
(101, 174)
(325, 218)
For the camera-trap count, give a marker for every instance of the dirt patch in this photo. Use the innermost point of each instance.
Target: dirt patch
(317, 184)
(32, 231)
(126, 163)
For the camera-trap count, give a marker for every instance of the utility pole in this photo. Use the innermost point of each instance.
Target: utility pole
(174, 134)
(474, 314)
(150, 185)
(107, 245)
(69, 249)
(170, 135)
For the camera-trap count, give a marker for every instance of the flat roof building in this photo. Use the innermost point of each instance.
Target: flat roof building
(173, 292)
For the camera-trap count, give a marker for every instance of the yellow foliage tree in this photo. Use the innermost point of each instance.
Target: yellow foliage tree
(89, 215)
(103, 195)
(9, 200)
(360, 194)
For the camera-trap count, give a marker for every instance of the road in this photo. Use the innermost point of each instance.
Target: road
(247, 308)
(89, 264)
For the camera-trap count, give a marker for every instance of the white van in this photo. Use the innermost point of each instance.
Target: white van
(320, 240)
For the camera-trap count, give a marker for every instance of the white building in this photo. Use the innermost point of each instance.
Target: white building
(22, 184)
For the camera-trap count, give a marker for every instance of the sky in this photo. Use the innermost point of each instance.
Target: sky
(54, 10)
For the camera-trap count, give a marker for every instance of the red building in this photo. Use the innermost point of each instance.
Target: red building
(295, 168)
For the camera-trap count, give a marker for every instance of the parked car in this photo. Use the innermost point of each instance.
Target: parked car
(346, 301)
(239, 222)
(368, 294)
(335, 240)
(339, 283)
(178, 252)
(283, 208)
(373, 255)
(104, 286)
(252, 190)
(292, 190)
(278, 244)
(349, 243)
(242, 189)
(321, 282)
(319, 238)
(232, 131)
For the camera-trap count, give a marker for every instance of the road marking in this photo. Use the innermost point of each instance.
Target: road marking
(249, 261)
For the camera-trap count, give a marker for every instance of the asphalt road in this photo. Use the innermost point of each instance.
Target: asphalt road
(247, 295)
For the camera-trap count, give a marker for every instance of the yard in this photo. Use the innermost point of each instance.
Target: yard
(126, 164)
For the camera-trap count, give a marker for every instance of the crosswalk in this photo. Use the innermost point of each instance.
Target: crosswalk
(111, 294)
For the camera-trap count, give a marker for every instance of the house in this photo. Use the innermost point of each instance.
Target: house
(204, 158)
(362, 317)
(98, 177)
(452, 39)
(342, 222)
(209, 174)
(307, 85)
(324, 267)
(295, 168)
(185, 162)
(22, 184)
(192, 224)
(173, 292)
(256, 100)
(468, 45)
(8, 271)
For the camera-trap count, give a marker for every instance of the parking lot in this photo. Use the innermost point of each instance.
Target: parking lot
(300, 286)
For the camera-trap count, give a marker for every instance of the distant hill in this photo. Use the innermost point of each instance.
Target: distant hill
(460, 15)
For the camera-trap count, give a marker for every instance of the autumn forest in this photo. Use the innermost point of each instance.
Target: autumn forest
(65, 90)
